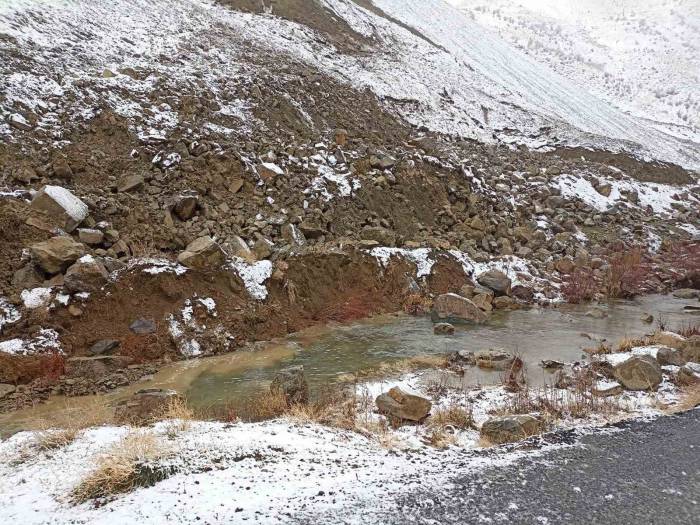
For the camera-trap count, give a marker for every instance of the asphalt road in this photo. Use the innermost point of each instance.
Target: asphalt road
(646, 472)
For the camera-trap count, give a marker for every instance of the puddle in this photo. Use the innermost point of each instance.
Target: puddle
(331, 352)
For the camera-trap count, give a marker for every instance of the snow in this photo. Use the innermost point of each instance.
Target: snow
(419, 256)
(344, 184)
(274, 168)
(253, 275)
(155, 266)
(73, 206)
(36, 297)
(8, 314)
(45, 340)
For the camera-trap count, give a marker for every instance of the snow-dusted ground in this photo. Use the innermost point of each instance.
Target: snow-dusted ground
(264, 472)
(456, 77)
(643, 57)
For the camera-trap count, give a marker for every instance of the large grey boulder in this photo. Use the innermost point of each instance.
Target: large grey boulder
(291, 384)
(507, 429)
(495, 280)
(57, 254)
(201, 254)
(400, 405)
(453, 308)
(639, 373)
(64, 208)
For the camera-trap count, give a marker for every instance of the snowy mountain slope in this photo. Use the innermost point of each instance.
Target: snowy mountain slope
(643, 57)
(65, 60)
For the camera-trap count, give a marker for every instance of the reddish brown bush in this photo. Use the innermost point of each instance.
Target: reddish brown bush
(627, 273)
(579, 286)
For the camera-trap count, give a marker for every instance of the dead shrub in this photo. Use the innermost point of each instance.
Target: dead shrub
(688, 329)
(580, 286)
(628, 343)
(131, 463)
(627, 272)
(451, 417)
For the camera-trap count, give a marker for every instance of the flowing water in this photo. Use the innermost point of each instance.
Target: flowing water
(331, 352)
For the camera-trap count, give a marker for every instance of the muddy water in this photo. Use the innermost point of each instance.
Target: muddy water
(332, 352)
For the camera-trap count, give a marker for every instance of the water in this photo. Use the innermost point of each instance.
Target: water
(331, 352)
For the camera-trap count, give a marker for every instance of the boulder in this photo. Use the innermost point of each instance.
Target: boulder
(495, 280)
(90, 236)
(291, 383)
(507, 429)
(443, 329)
(691, 349)
(237, 247)
(454, 308)
(185, 207)
(670, 356)
(145, 405)
(402, 406)
(65, 209)
(670, 339)
(201, 254)
(57, 254)
(263, 248)
(506, 303)
(86, 275)
(523, 293)
(103, 347)
(483, 301)
(639, 373)
(494, 359)
(686, 293)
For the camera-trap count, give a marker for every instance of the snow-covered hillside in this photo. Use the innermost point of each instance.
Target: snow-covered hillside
(643, 57)
(428, 62)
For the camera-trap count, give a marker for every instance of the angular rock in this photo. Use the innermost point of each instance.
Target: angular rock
(483, 301)
(64, 208)
(56, 254)
(639, 373)
(507, 429)
(402, 406)
(263, 248)
(143, 326)
(443, 329)
(131, 183)
(202, 254)
(291, 383)
(86, 275)
(494, 359)
(90, 236)
(670, 356)
(237, 247)
(146, 405)
(506, 303)
(104, 347)
(453, 308)
(311, 230)
(185, 207)
(382, 161)
(495, 280)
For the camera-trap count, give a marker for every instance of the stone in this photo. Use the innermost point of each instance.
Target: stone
(293, 235)
(291, 384)
(443, 329)
(57, 254)
(686, 293)
(453, 308)
(269, 170)
(483, 301)
(603, 188)
(143, 326)
(237, 247)
(6, 390)
(185, 207)
(90, 236)
(565, 266)
(263, 248)
(506, 303)
(311, 230)
(606, 389)
(646, 318)
(495, 280)
(146, 405)
(551, 364)
(383, 236)
(402, 406)
(62, 169)
(507, 429)
(670, 356)
(687, 376)
(130, 183)
(494, 359)
(523, 293)
(65, 209)
(86, 275)
(382, 161)
(691, 349)
(202, 254)
(670, 339)
(639, 373)
(341, 137)
(104, 347)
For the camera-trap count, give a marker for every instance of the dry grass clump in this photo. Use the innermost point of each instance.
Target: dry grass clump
(628, 343)
(267, 405)
(453, 417)
(128, 465)
(179, 416)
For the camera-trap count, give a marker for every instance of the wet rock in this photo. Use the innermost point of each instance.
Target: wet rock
(402, 406)
(686, 293)
(291, 383)
(646, 318)
(494, 359)
(104, 347)
(453, 308)
(6, 390)
(202, 254)
(639, 373)
(57, 254)
(143, 326)
(506, 303)
(670, 356)
(185, 207)
(507, 429)
(131, 183)
(90, 236)
(443, 329)
(86, 275)
(523, 293)
(64, 208)
(495, 280)
(146, 405)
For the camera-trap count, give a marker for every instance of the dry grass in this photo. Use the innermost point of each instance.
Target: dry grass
(178, 415)
(128, 465)
(628, 343)
(67, 423)
(452, 417)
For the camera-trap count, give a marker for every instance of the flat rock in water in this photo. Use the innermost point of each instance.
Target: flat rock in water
(443, 329)
(494, 359)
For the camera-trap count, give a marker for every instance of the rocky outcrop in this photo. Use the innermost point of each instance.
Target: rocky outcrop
(639, 373)
(507, 429)
(291, 384)
(454, 308)
(65, 209)
(57, 254)
(203, 253)
(146, 405)
(402, 406)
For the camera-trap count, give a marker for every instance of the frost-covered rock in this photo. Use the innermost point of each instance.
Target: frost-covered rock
(88, 274)
(64, 208)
